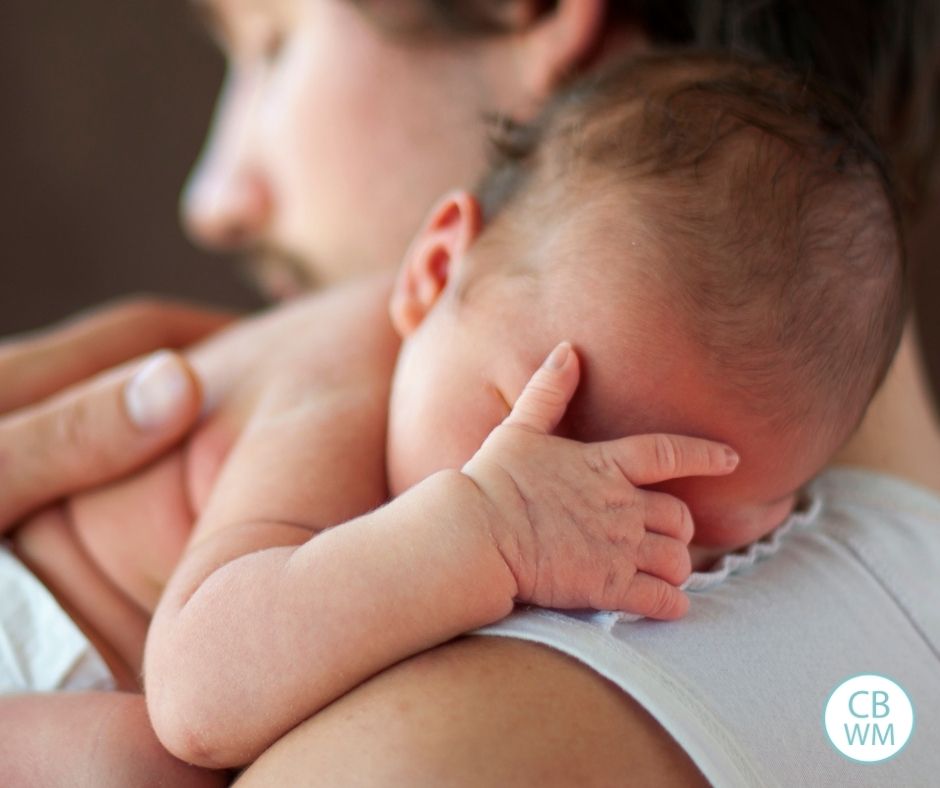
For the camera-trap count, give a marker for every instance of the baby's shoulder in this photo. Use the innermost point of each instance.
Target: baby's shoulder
(336, 345)
(318, 364)
(312, 343)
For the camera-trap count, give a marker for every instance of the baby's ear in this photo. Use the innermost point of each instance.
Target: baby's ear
(443, 240)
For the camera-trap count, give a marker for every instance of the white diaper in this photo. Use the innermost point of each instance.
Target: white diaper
(41, 648)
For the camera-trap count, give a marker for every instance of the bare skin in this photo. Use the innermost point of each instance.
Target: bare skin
(62, 399)
(407, 713)
(900, 434)
(108, 553)
(417, 716)
(513, 744)
(424, 739)
(449, 554)
(202, 479)
(93, 597)
(110, 743)
(230, 504)
(479, 711)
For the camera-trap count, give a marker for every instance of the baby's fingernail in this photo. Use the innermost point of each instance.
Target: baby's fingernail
(731, 457)
(556, 359)
(158, 390)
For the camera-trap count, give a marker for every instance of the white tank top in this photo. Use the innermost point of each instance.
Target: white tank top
(847, 586)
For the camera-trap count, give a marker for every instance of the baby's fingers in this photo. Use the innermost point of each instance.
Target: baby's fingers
(648, 459)
(665, 514)
(548, 392)
(649, 596)
(665, 558)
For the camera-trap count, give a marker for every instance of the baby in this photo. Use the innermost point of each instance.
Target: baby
(718, 244)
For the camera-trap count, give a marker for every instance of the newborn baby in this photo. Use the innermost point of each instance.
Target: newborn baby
(718, 243)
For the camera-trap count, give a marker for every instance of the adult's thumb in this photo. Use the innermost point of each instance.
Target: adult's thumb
(94, 432)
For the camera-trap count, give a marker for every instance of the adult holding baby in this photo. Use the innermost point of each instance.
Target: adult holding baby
(237, 199)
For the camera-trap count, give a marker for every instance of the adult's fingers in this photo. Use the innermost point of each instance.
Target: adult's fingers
(548, 392)
(647, 459)
(94, 432)
(34, 366)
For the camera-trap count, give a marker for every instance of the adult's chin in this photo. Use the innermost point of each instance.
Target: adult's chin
(279, 278)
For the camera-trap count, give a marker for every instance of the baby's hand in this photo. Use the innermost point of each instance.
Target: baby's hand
(569, 518)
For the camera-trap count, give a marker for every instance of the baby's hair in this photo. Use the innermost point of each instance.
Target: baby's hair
(768, 207)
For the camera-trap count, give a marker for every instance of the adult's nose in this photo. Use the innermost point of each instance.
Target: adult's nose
(226, 208)
(227, 201)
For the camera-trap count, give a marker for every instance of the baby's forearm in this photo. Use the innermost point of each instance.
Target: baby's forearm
(272, 637)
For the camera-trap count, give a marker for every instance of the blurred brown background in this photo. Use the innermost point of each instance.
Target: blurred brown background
(104, 107)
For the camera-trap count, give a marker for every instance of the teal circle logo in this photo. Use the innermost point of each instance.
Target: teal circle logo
(869, 718)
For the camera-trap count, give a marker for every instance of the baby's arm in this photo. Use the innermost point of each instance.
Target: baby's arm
(251, 638)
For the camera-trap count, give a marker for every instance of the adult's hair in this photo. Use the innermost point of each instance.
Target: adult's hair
(881, 56)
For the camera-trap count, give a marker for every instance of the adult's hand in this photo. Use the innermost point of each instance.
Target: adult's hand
(65, 424)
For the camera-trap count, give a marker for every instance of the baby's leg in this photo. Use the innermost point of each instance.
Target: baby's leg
(80, 739)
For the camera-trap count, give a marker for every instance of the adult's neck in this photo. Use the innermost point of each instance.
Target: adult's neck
(900, 434)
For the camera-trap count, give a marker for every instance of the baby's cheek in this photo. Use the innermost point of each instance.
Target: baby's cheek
(443, 433)
(477, 419)
(727, 512)
(715, 506)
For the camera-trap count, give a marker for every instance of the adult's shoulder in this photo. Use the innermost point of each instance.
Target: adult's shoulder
(480, 711)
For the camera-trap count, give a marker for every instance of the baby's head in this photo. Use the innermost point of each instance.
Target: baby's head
(718, 241)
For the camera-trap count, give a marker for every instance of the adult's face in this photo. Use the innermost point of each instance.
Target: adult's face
(332, 137)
